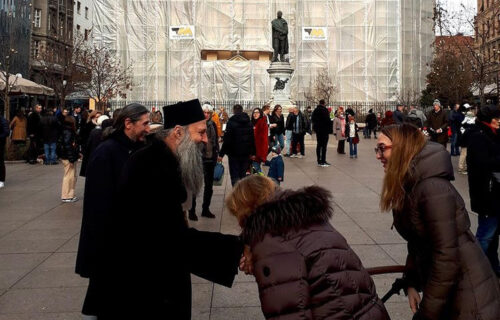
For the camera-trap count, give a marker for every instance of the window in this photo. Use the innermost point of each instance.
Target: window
(86, 12)
(37, 21)
(78, 7)
(78, 28)
(36, 49)
(86, 34)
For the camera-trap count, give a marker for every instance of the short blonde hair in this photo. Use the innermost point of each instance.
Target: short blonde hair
(248, 194)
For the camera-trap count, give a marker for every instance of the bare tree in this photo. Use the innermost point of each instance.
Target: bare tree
(107, 77)
(323, 87)
(408, 97)
(7, 54)
(480, 55)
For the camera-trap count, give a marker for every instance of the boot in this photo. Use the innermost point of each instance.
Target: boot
(192, 215)
(207, 214)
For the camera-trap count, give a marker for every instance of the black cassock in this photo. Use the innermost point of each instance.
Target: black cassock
(148, 264)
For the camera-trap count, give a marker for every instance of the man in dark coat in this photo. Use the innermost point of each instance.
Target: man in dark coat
(371, 124)
(455, 121)
(437, 124)
(322, 125)
(299, 126)
(483, 166)
(103, 171)
(239, 144)
(398, 115)
(154, 252)
(33, 130)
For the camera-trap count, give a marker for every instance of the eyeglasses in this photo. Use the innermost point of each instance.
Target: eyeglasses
(380, 149)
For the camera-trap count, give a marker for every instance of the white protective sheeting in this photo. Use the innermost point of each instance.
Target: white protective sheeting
(375, 50)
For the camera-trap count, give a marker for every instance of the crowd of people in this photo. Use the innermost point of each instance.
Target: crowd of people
(304, 267)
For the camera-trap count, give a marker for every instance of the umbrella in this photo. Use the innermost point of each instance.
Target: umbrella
(24, 86)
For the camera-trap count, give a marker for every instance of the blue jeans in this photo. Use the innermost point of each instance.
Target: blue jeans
(50, 152)
(288, 134)
(353, 148)
(487, 235)
(455, 149)
(278, 138)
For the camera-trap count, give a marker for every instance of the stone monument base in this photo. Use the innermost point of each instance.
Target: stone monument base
(280, 74)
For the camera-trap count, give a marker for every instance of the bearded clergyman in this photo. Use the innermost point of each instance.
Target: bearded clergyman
(154, 252)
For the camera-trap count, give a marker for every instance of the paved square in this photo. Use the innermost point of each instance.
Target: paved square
(39, 237)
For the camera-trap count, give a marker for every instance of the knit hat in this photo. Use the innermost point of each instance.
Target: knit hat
(436, 102)
(182, 113)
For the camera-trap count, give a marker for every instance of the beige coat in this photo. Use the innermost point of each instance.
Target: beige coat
(18, 127)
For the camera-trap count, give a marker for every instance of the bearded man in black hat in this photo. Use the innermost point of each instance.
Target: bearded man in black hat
(154, 251)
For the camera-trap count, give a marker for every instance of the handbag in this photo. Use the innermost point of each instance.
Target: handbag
(218, 174)
(355, 140)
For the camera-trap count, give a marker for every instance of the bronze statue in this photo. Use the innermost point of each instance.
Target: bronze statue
(280, 38)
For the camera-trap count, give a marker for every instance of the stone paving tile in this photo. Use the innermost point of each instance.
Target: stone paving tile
(42, 316)
(240, 313)
(40, 300)
(240, 295)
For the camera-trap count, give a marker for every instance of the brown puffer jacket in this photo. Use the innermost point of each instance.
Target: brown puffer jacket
(444, 259)
(304, 268)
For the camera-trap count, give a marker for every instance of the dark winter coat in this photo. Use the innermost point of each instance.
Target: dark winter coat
(388, 119)
(398, 116)
(303, 266)
(321, 122)
(152, 251)
(4, 128)
(214, 139)
(303, 123)
(103, 172)
(280, 121)
(50, 129)
(33, 127)
(348, 130)
(371, 120)
(260, 130)
(444, 259)
(483, 158)
(435, 121)
(455, 121)
(68, 148)
(238, 138)
(94, 139)
(276, 168)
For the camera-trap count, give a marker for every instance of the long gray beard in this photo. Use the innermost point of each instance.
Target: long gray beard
(191, 163)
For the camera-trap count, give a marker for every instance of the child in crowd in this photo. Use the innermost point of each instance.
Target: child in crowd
(304, 268)
(351, 132)
(276, 165)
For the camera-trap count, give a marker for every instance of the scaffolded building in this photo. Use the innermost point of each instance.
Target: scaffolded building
(374, 50)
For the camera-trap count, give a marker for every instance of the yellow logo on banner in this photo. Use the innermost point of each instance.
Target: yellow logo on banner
(317, 33)
(185, 32)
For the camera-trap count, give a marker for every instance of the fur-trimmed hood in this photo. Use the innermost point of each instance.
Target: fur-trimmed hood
(288, 210)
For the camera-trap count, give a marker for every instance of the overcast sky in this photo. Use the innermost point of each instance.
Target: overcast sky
(458, 16)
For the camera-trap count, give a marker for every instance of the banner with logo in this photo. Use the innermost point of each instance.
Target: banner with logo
(314, 33)
(181, 32)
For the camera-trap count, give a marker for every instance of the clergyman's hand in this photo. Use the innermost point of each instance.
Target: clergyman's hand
(246, 264)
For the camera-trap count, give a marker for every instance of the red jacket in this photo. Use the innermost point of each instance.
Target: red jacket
(260, 131)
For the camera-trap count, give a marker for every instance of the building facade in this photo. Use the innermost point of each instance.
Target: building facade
(83, 15)
(219, 50)
(15, 31)
(51, 41)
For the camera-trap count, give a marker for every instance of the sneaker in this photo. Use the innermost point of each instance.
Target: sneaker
(300, 156)
(324, 165)
(320, 164)
(356, 156)
(293, 156)
(74, 199)
(463, 172)
(327, 163)
(2, 184)
(192, 216)
(207, 214)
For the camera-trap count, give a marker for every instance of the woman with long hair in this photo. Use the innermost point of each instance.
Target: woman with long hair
(339, 130)
(69, 155)
(304, 268)
(444, 259)
(260, 130)
(278, 132)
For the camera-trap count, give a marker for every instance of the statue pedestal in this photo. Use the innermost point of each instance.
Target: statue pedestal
(280, 74)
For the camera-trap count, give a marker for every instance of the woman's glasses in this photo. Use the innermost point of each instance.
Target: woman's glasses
(380, 149)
